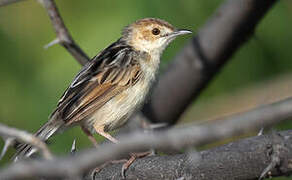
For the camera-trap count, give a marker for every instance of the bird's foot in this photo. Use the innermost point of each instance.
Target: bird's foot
(133, 157)
(99, 168)
(126, 163)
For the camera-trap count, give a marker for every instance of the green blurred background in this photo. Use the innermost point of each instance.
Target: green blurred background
(32, 79)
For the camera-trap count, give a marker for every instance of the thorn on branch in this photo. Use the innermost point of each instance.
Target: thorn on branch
(261, 132)
(73, 148)
(150, 127)
(8, 142)
(63, 36)
(55, 41)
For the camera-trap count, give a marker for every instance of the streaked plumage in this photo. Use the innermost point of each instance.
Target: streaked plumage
(113, 84)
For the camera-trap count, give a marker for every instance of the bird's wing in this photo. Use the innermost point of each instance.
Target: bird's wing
(109, 73)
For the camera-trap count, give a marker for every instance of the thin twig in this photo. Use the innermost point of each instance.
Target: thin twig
(173, 139)
(7, 2)
(63, 35)
(26, 137)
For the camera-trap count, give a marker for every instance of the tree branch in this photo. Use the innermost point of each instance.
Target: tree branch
(173, 139)
(63, 36)
(192, 69)
(25, 137)
(7, 2)
(202, 57)
(242, 160)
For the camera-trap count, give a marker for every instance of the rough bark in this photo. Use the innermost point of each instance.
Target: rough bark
(241, 160)
(171, 139)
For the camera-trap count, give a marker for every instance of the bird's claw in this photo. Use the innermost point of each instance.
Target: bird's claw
(133, 157)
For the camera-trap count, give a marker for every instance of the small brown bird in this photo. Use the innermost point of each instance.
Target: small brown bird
(113, 84)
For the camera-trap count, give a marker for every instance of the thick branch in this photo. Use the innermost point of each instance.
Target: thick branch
(27, 138)
(201, 58)
(242, 160)
(173, 139)
(63, 36)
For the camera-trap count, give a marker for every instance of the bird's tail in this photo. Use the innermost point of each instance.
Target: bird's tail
(44, 133)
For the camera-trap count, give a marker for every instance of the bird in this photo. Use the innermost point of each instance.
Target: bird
(112, 85)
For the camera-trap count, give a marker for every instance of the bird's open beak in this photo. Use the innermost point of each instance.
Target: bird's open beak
(181, 32)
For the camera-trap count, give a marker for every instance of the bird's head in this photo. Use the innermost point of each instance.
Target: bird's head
(151, 35)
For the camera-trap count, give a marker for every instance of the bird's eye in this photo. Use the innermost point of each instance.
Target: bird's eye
(155, 31)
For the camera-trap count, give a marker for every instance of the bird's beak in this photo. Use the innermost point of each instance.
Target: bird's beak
(180, 32)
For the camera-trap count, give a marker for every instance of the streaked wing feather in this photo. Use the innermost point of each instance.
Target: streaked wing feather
(85, 108)
(109, 73)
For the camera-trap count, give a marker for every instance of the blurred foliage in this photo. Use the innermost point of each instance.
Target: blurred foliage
(32, 79)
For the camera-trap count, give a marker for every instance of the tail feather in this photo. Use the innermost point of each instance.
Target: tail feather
(44, 133)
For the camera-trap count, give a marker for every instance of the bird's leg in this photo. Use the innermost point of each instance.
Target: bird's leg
(126, 165)
(90, 136)
(100, 130)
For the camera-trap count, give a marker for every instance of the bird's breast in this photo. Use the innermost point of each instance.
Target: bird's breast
(117, 111)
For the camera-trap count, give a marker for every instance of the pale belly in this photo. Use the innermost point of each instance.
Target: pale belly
(117, 111)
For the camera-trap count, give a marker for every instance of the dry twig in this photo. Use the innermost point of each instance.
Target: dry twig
(63, 36)
(177, 138)
(8, 2)
(25, 137)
